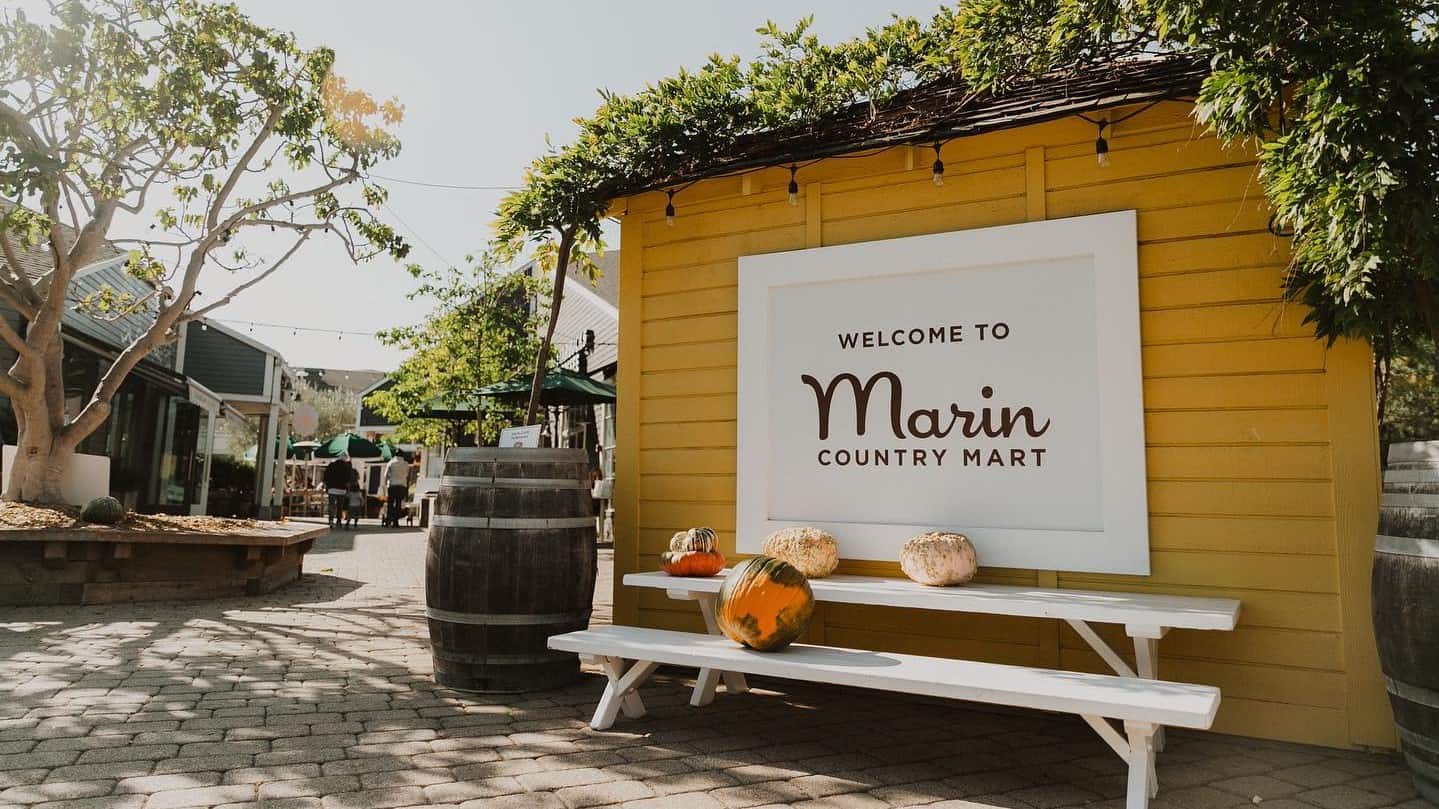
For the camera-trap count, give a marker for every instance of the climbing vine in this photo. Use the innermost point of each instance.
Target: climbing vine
(1339, 97)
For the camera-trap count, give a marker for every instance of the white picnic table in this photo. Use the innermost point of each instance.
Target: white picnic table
(1146, 618)
(1134, 696)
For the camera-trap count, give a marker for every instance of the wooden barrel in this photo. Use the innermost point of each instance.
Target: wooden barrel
(1406, 605)
(511, 561)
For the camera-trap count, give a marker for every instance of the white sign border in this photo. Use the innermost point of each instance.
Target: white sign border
(1111, 241)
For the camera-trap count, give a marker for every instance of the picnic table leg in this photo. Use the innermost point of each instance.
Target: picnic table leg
(1141, 784)
(619, 690)
(1146, 660)
(734, 681)
(630, 703)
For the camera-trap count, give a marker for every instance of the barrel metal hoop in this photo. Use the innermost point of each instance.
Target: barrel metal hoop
(513, 483)
(511, 523)
(1402, 500)
(500, 619)
(502, 659)
(1414, 740)
(1413, 693)
(1407, 546)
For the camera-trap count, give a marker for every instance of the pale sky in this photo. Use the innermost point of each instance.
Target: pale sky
(483, 82)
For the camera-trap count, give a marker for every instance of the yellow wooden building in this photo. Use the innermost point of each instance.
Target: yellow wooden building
(1261, 449)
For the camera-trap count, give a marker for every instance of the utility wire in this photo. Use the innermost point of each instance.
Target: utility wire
(447, 186)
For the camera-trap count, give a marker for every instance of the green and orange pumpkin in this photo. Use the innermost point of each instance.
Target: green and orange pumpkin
(765, 604)
(693, 553)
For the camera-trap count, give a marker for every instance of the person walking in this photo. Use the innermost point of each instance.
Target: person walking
(397, 483)
(356, 500)
(337, 485)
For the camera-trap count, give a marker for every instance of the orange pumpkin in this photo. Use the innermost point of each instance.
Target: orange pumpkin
(764, 604)
(693, 553)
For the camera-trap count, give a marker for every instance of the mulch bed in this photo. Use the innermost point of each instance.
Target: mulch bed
(26, 515)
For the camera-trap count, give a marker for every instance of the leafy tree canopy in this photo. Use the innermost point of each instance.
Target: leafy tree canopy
(483, 330)
(202, 126)
(1340, 98)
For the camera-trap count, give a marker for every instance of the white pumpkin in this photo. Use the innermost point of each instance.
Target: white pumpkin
(813, 552)
(939, 559)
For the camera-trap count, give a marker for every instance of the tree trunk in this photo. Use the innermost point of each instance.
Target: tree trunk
(562, 266)
(44, 448)
(39, 467)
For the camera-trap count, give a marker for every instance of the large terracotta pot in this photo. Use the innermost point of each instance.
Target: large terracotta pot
(1406, 604)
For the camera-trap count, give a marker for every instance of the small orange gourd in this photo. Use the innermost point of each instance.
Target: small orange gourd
(693, 553)
(764, 604)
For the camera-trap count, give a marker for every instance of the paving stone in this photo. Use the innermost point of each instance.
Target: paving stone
(461, 791)
(310, 787)
(388, 798)
(202, 764)
(134, 752)
(107, 802)
(527, 800)
(610, 792)
(56, 791)
(543, 781)
(696, 781)
(281, 772)
(853, 800)
(759, 794)
(688, 800)
(1343, 797)
(201, 796)
(406, 778)
(168, 783)
(276, 803)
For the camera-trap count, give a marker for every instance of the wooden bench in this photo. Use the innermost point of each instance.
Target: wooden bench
(1141, 706)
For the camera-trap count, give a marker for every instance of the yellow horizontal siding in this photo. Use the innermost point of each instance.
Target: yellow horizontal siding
(1241, 451)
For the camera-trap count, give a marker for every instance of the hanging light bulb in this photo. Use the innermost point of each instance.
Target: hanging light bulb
(1101, 147)
(793, 186)
(204, 327)
(670, 209)
(937, 170)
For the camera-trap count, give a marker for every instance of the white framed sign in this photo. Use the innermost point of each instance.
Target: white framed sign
(983, 381)
(526, 436)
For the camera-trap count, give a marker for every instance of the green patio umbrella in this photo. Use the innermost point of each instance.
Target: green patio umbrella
(356, 445)
(388, 451)
(561, 387)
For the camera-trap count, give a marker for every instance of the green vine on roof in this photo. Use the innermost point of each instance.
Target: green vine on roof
(1339, 97)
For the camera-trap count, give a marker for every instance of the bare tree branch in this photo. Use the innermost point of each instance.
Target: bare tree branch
(212, 218)
(229, 296)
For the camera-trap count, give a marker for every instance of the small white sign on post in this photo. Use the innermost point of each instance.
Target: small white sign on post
(527, 436)
(984, 381)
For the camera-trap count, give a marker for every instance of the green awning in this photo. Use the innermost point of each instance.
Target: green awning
(562, 387)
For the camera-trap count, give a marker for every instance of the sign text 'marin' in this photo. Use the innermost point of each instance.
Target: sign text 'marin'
(922, 422)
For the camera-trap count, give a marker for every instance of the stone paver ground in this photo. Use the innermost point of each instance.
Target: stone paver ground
(319, 697)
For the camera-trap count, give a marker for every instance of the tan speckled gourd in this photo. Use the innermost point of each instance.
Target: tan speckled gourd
(939, 559)
(813, 552)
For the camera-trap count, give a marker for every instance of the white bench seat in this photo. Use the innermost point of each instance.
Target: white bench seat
(1141, 705)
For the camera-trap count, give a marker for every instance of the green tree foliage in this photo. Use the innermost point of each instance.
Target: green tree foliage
(483, 330)
(337, 407)
(1407, 384)
(1339, 97)
(188, 115)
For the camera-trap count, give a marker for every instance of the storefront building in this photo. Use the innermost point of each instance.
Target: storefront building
(1259, 458)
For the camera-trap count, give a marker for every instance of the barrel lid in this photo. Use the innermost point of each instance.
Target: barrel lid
(475, 454)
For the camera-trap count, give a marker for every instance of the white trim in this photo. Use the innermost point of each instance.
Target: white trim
(1121, 545)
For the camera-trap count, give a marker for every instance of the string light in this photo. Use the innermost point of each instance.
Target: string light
(937, 170)
(670, 209)
(793, 185)
(1101, 147)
